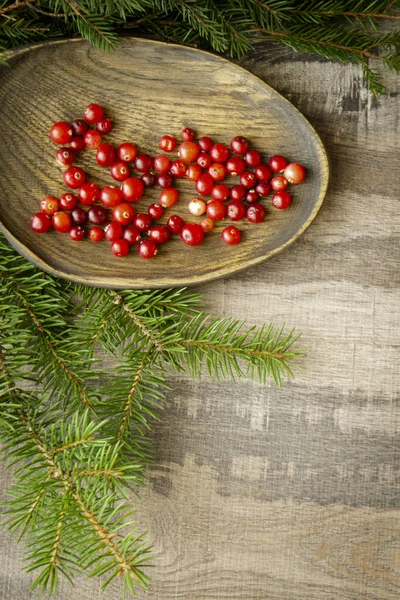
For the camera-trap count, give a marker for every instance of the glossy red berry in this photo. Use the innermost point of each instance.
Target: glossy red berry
(79, 216)
(279, 183)
(281, 200)
(192, 234)
(61, 133)
(175, 224)
(104, 126)
(120, 171)
(132, 235)
(143, 163)
(263, 172)
(220, 192)
(65, 157)
(159, 234)
(93, 113)
(74, 177)
(178, 169)
(97, 215)
(231, 235)
(88, 194)
(188, 151)
(167, 143)
(123, 213)
(207, 224)
(106, 155)
(92, 139)
(165, 180)
(217, 171)
(277, 163)
(169, 197)
(110, 196)
(235, 211)
(193, 172)
(188, 134)
(49, 205)
(132, 189)
(294, 173)
(61, 221)
(219, 153)
(77, 233)
(252, 158)
(204, 160)
(40, 223)
(248, 180)
(205, 144)
(68, 201)
(77, 144)
(156, 211)
(127, 152)
(204, 184)
(238, 192)
(235, 165)
(79, 127)
(148, 179)
(263, 188)
(143, 221)
(120, 247)
(161, 163)
(113, 231)
(252, 197)
(96, 234)
(147, 248)
(216, 210)
(239, 145)
(255, 213)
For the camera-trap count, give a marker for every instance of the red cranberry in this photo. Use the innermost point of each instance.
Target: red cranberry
(113, 231)
(193, 172)
(204, 184)
(148, 179)
(123, 213)
(220, 192)
(156, 211)
(178, 169)
(96, 234)
(79, 216)
(281, 200)
(77, 144)
(248, 180)
(197, 207)
(231, 235)
(61, 221)
(61, 133)
(132, 235)
(143, 221)
(161, 164)
(79, 127)
(143, 163)
(279, 183)
(93, 113)
(192, 234)
(235, 165)
(205, 144)
(77, 233)
(239, 145)
(188, 134)
(40, 223)
(165, 180)
(263, 188)
(188, 152)
(147, 248)
(159, 234)
(65, 157)
(263, 172)
(204, 160)
(175, 224)
(49, 205)
(110, 196)
(238, 192)
(294, 173)
(104, 126)
(235, 211)
(88, 193)
(219, 153)
(167, 143)
(216, 210)
(120, 247)
(127, 152)
(132, 189)
(92, 139)
(217, 171)
(120, 171)
(255, 213)
(105, 155)
(207, 224)
(252, 158)
(252, 197)
(277, 163)
(74, 177)
(169, 197)
(97, 215)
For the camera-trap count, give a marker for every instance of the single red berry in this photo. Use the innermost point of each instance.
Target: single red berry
(235, 165)
(169, 197)
(188, 151)
(143, 222)
(263, 172)
(217, 171)
(220, 192)
(79, 127)
(239, 145)
(127, 152)
(204, 184)
(147, 248)
(96, 234)
(61, 221)
(205, 144)
(192, 234)
(197, 207)
(77, 144)
(279, 183)
(175, 224)
(88, 194)
(65, 157)
(132, 189)
(204, 160)
(110, 196)
(161, 163)
(252, 197)
(132, 235)
(238, 192)
(207, 224)
(77, 233)
(79, 216)
(68, 201)
(93, 113)
(159, 234)
(106, 155)
(235, 211)
(156, 211)
(255, 213)
(120, 171)
(40, 223)
(165, 180)
(148, 179)
(167, 143)
(248, 180)
(216, 210)
(219, 153)
(143, 163)
(120, 247)
(231, 235)
(104, 126)
(188, 134)
(277, 163)
(97, 215)
(294, 173)
(123, 213)
(74, 177)
(252, 158)
(281, 200)
(49, 205)
(178, 169)
(113, 231)
(92, 139)
(263, 188)
(193, 172)
(61, 133)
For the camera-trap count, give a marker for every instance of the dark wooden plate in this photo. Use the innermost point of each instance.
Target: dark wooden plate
(148, 88)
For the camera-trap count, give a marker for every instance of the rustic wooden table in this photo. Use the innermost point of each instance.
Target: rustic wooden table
(276, 494)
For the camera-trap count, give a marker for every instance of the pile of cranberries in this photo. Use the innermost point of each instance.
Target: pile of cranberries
(108, 213)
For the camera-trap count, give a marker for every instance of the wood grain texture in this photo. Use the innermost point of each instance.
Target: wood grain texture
(150, 89)
(292, 494)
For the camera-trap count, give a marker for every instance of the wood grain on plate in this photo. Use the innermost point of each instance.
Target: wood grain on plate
(148, 88)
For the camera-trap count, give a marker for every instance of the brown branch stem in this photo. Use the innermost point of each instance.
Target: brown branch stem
(73, 444)
(18, 4)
